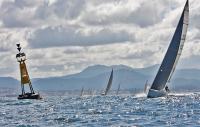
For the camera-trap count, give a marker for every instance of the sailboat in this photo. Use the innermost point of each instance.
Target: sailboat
(109, 84)
(82, 91)
(165, 72)
(118, 89)
(146, 87)
(25, 80)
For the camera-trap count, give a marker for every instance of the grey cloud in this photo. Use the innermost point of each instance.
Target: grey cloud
(37, 55)
(147, 14)
(190, 62)
(195, 35)
(98, 2)
(3, 49)
(64, 36)
(14, 21)
(13, 13)
(75, 50)
(45, 68)
(7, 40)
(69, 9)
(139, 55)
(26, 3)
(64, 9)
(195, 19)
(29, 13)
(6, 70)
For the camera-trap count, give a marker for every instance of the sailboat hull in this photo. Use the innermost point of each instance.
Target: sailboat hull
(156, 93)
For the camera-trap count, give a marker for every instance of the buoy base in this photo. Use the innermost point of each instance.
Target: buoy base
(30, 96)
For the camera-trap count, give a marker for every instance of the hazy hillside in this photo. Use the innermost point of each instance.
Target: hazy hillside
(8, 82)
(96, 77)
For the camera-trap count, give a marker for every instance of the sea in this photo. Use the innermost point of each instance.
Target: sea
(177, 109)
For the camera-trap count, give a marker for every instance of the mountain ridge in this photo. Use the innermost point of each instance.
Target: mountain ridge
(96, 77)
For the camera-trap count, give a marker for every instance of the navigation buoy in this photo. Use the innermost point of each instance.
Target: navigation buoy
(25, 80)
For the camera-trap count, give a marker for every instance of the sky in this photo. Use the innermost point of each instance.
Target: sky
(62, 37)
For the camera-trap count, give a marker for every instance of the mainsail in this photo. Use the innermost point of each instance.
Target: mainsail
(109, 83)
(173, 53)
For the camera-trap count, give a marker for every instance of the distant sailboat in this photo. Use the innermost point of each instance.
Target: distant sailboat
(146, 87)
(89, 91)
(109, 84)
(82, 90)
(118, 89)
(159, 88)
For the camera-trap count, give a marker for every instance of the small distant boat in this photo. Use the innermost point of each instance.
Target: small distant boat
(90, 91)
(159, 87)
(109, 84)
(82, 90)
(118, 89)
(25, 80)
(146, 87)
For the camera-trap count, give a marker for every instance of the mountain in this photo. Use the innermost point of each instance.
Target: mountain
(8, 82)
(96, 77)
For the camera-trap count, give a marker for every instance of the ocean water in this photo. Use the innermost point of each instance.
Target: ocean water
(97, 111)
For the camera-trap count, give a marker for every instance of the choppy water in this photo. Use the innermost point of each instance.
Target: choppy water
(52, 111)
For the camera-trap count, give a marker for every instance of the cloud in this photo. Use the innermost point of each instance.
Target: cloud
(9, 39)
(62, 9)
(18, 13)
(23, 13)
(64, 36)
(190, 62)
(140, 12)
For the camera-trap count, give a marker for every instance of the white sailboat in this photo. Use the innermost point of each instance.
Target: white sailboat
(159, 87)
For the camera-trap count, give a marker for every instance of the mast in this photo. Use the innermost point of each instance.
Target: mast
(21, 58)
(173, 53)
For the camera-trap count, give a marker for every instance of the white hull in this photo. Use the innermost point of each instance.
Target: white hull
(156, 93)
